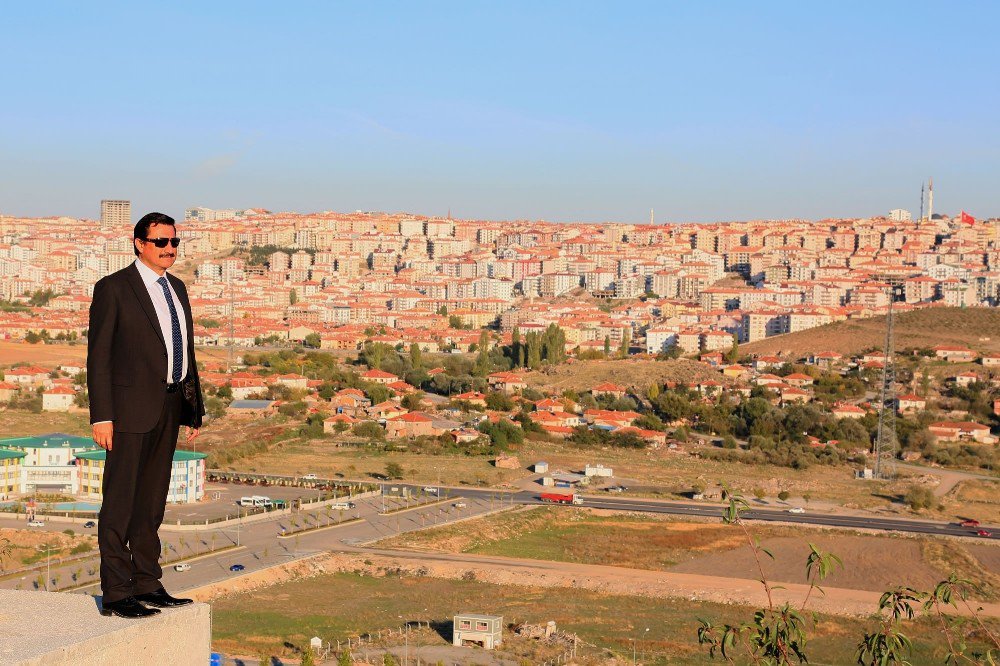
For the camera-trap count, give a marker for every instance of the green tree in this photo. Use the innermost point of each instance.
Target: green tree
(416, 359)
(345, 658)
(516, 348)
(733, 355)
(626, 343)
(411, 401)
(482, 365)
(607, 346)
(312, 341)
(369, 430)
(499, 402)
(293, 297)
(534, 350)
(394, 470)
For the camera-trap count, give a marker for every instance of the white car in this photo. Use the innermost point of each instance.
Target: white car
(183, 566)
(796, 509)
(430, 490)
(35, 523)
(459, 505)
(310, 477)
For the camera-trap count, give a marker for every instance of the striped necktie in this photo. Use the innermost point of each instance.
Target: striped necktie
(175, 331)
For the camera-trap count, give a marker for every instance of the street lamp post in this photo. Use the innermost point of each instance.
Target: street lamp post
(48, 563)
(633, 646)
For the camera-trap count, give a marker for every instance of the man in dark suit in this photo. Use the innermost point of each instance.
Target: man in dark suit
(143, 385)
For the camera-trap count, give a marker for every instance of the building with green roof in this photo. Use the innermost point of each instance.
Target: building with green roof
(73, 465)
(187, 475)
(10, 472)
(49, 462)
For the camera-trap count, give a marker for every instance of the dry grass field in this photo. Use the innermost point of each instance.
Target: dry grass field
(642, 541)
(18, 423)
(976, 328)
(639, 374)
(335, 606)
(25, 546)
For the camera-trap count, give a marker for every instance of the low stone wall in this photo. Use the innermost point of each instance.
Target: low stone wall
(62, 629)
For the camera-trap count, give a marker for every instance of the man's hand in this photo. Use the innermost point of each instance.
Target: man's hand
(103, 433)
(191, 434)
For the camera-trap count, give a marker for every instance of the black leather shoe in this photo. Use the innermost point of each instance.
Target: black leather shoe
(161, 599)
(128, 607)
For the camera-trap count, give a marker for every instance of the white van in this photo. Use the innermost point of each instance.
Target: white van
(255, 500)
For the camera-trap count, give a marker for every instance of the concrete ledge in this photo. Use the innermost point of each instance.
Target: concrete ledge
(60, 629)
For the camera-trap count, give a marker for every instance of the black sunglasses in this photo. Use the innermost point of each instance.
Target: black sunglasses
(162, 242)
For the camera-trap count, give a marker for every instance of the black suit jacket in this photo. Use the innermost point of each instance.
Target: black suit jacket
(127, 356)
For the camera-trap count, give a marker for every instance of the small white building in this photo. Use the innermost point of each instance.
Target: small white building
(58, 399)
(484, 630)
(541, 467)
(598, 470)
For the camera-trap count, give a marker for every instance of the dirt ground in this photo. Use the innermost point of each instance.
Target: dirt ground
(973, 327)
(507, 571)
(25, 546)
(870, 562)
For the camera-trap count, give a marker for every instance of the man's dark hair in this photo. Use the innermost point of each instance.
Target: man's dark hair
(145, 222)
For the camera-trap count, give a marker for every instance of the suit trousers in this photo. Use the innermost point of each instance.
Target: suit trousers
(136, 481)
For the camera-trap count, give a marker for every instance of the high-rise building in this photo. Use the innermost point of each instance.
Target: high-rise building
(116, 213)
(899, 215)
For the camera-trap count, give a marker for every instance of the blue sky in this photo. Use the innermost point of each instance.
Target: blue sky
(558, 110)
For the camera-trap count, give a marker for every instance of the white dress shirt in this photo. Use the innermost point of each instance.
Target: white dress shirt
(149, 277)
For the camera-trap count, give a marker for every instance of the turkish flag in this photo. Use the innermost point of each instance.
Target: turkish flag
(967, 219)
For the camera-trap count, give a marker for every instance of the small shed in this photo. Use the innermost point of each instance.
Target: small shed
(484, 630)
(541, 467)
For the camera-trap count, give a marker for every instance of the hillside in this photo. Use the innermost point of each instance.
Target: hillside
(976, 328)
(633, 373)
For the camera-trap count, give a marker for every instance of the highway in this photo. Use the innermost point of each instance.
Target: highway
(716, 511)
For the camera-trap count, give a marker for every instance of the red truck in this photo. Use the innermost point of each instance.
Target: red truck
(561, 498)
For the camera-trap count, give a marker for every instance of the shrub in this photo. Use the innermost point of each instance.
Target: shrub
(920, 497)
(369, 430)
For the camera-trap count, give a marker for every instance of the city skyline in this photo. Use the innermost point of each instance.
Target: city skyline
(564, 112)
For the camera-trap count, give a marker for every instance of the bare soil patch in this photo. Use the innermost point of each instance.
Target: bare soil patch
(25, 546)
(870, 562)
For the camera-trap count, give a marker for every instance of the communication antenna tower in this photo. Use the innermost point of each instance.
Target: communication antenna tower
(885, 441)
(232, 309)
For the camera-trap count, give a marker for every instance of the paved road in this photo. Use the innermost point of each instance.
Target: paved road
(808, 518)
(260, 547)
